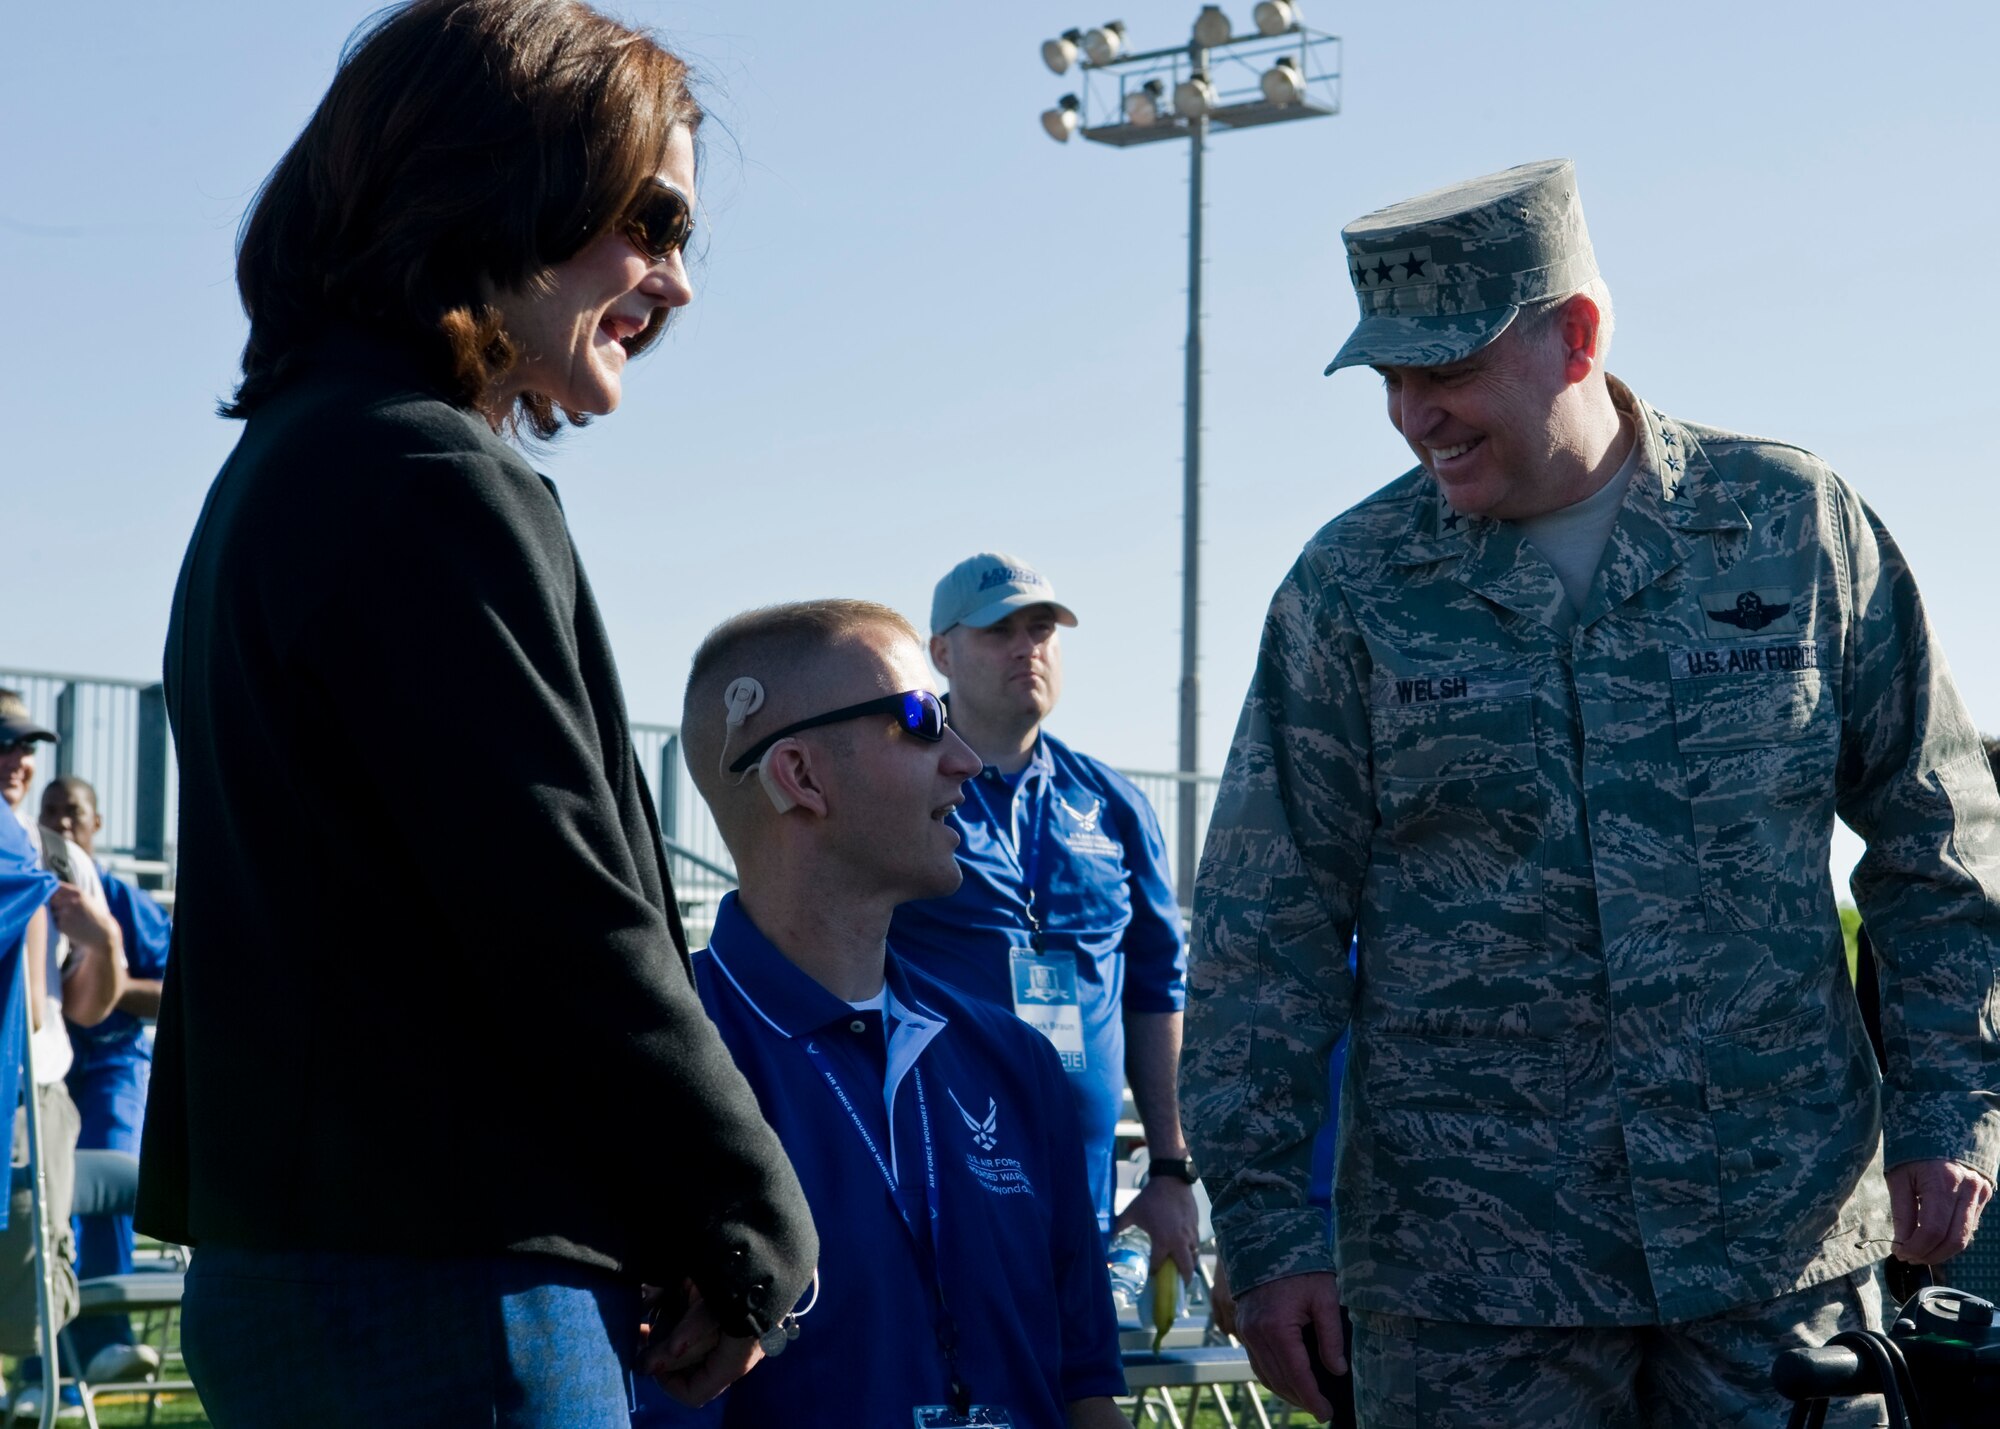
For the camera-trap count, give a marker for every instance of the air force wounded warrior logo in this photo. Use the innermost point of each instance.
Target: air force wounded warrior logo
(1002, 1175)
(1753, 610)
(985, 1131)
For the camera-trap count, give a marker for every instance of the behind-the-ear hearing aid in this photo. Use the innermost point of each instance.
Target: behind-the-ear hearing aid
(780, 800)
(743, 698)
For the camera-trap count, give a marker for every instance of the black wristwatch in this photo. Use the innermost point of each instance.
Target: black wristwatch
(1181, 1168)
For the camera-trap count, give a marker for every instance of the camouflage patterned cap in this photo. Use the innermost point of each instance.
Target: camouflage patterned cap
(1441, 275)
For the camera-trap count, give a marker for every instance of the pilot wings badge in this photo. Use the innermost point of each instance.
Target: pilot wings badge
(1753, 610)
(985, 1134)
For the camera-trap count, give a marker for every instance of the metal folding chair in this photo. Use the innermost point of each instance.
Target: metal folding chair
(38, 1186)
(140, 1292)
(143, 1292)
(1193, 1356)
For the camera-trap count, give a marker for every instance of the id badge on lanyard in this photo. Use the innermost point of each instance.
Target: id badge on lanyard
(977, 1416)
(1045, 998)
(1045, 995)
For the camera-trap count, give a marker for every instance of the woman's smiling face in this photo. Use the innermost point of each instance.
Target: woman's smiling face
(571, 331)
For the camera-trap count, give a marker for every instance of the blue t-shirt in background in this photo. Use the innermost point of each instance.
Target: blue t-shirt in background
(1099, 864)
(120, 1037)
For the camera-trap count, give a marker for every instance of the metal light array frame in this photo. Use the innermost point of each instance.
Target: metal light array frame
(1305, 65)
(1238, 106)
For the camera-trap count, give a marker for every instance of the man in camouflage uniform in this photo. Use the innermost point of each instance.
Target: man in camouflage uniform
(1559, 721)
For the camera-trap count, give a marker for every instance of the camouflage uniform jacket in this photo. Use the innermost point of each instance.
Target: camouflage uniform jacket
(1607, 1067)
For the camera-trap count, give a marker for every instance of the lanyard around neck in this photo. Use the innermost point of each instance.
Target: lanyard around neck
(1027, 846)
(923, 1235)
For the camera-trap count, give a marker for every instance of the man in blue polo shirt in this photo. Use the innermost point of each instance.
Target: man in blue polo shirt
(961, 1277)
(1066, 914)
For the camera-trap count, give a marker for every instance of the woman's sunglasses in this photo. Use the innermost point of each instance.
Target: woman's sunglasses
(660, 221)
(917, 712)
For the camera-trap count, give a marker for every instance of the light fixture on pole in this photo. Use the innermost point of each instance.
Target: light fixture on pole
(1105, 43)
(1274, 17)
(1060, 53)
(1282, 83)
(1142, 105)
(1194, 96)
(1061, 121)
(1211, 27)
(1218, 82)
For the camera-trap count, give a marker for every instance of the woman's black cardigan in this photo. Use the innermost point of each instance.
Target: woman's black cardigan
(429, 992)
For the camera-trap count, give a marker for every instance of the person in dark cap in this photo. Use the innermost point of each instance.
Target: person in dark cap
(20, 732)
(1560, 720)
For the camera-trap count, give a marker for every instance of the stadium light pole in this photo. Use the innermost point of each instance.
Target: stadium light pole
(1302, 81)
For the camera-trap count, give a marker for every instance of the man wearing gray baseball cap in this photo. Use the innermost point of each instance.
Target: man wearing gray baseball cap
(1559, 722)
(1066, 912)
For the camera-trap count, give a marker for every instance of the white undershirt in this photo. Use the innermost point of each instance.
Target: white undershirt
(1572, 538)
(908, 1032)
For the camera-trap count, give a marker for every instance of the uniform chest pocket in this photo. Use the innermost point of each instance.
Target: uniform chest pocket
(1460, 805)
(1758, 742)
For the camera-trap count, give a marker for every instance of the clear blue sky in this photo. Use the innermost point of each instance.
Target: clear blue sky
(922, 328)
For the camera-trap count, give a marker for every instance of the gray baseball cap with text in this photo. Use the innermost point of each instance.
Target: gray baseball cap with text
(985, 589)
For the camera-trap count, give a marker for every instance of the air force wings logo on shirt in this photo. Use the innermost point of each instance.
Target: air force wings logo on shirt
(1082, 834)
(1752, 611)
(1084, 819)
(985, 1134)
(1002, 1175)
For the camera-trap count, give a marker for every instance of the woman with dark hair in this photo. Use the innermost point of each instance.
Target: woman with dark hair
(417, 1007)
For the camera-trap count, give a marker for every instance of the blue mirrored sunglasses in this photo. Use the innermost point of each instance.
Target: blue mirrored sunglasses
(917, 712)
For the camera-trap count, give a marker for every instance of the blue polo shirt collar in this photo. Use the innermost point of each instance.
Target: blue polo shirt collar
(793, 1005)
(1039, 766)
(1033, 780)
(788, 1000)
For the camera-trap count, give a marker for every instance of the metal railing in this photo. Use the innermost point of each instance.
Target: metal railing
(114, 733)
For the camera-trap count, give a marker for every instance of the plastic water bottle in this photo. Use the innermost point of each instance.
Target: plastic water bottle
(1130, 1262)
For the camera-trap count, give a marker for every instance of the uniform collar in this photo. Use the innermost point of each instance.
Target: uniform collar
(1674, 492)
(789, 1001)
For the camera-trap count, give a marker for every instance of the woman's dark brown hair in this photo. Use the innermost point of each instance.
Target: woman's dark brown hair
(464, 147)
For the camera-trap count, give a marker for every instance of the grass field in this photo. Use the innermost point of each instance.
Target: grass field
(127, 1411)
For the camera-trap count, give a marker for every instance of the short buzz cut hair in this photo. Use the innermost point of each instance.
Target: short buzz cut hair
(792, 631)
(792, 636)
(1537, 320)
(74, 783)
